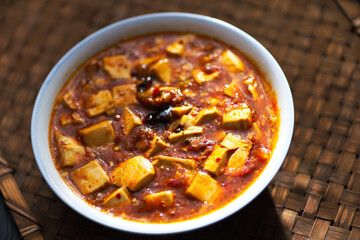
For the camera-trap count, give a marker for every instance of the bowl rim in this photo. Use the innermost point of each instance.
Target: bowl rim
(94, 214)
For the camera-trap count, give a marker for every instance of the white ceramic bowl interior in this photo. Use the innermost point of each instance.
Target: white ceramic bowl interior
(180, 22)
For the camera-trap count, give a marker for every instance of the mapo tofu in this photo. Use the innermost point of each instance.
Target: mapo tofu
(164, 127)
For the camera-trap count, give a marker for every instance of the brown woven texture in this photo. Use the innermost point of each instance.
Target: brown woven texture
(315, 195)
(351, 10)
(14, 200)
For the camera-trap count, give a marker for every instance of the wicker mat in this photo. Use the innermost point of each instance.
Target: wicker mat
(315, 195)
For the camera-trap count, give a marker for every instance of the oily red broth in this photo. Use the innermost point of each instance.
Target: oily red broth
(164, 127)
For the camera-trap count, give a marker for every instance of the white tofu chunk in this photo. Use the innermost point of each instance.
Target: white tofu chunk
(110, 111)
(182, 176)
(99, 103)
(179, 111)
(206, 115)
(176, 48)
(233, 63)
(163, 70)
(65, 119)
(90, 178)
(117, 66)
(165, 160)
(200, 76)
(130, 120)
(99, 134)
(152, 59)
(160, 199)
(237, 119)
(119, 197)
(185, 121)
(233, 89)
(78, 119)
(203, 187)
(219, 135)
(157, 145)
(69, 100)
(249, 80)
(135, 173)
(251, 86)
(216, 160)
(238, 159)
(124, 95)
(69, 149)
(231, 141)
(253, 91)
(190, 131)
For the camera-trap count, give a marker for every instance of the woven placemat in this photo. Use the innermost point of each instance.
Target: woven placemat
(315, 195)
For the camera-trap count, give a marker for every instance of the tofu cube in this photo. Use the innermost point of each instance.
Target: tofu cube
(219, 135)
(157, 145)
(119, 197)
(98, 134)
(206, 115)
(65, 119)
(165, 160)
(238, 159)
(237, 119)
(160, 199)
(152, 59)
(130, 120)
(233, 89)
(69, 149)
(179, 111)
(231, 141)
(163, 70)
(90, 178)
(69, 100)
(99, 103)
(124, 95)
(200, 76)
(185, 121)
(135, 173)
(203, 187)
(117, 66)
(253, 91)
(233, 63)
(190, 131)
(182, 177)
(110, 111)
(216, 160)
(176, 48)
(249, 80)
(78, 119)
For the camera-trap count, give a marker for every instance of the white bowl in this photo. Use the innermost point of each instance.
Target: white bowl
(179, 22)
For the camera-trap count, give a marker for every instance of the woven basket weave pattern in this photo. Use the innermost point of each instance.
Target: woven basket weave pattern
(315, 195)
